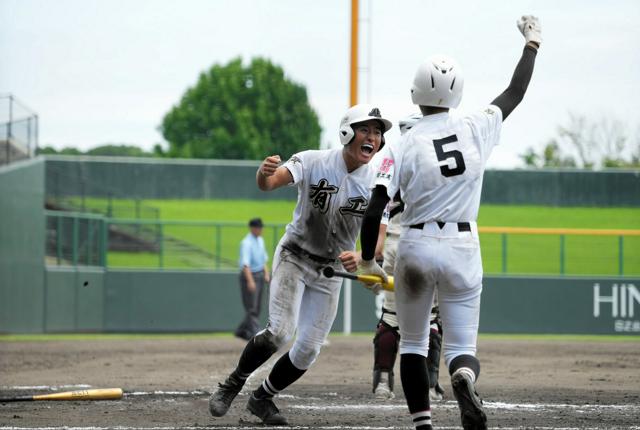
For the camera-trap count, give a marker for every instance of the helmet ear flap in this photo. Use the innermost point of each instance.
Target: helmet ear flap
(356, 114)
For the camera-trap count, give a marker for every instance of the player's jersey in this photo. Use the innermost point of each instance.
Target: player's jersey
(331, 201)
(392, 216)
(438, 166)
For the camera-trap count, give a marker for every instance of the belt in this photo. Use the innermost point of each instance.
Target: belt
(303, 253)
(462, 226)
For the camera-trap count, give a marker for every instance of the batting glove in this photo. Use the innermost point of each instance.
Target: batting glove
(371, 267)
(530, 28)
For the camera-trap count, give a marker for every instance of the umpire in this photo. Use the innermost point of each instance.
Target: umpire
(254, 274)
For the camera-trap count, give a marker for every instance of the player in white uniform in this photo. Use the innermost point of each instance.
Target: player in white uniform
(387, 337)
(333, 193)
(438, 168)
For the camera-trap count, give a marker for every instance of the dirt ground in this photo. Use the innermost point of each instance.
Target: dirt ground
(524, 384)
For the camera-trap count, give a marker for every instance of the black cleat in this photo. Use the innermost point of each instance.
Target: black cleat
(221, 399)
(471, 411)
(267, 411)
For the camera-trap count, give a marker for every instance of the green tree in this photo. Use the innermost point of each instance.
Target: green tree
(239, 112)
(119, 150)
(49, 150)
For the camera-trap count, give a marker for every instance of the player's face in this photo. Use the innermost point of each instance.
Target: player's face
(366, 142)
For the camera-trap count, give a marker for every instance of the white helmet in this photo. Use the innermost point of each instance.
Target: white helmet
(438, 82)
(360, 113)
(407, 123)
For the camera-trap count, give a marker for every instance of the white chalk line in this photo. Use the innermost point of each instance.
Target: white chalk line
(300, 428)
(357, 407)
(487, 405)
(45, 387)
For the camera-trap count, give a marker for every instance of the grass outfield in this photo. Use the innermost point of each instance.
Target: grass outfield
(525, 253)
(148, 336)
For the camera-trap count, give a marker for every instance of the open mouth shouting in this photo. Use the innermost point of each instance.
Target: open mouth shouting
(367, 149)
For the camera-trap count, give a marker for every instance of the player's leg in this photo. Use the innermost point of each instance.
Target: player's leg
(318, 310)
(436, 391)
(287, 287)
(459, 303)
(387, 338)
(415, 286)
(385, 349)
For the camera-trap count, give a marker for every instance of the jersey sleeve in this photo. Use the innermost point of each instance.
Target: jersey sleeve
(386, 215)
(486, 125)
(386, 174)
(296, 165)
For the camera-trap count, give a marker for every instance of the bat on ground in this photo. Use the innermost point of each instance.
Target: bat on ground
(330, 272)
(96, 394)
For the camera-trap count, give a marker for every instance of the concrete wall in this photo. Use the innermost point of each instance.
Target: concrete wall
(22, 233)
(157, 301)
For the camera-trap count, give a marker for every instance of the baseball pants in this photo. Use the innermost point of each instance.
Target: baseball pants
(446, 260)
(301, 297)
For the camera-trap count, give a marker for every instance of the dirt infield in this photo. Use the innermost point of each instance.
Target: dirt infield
(525, 384)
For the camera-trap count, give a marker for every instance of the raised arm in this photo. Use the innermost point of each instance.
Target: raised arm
(529, 26)
(271, 175)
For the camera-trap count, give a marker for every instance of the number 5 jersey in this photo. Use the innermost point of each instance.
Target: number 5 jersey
(450, 154)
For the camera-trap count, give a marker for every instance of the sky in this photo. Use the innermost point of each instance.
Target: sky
(107, 71)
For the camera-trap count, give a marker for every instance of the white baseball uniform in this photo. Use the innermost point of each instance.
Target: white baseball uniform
(326, 222)
(389, 260)
(438, 168)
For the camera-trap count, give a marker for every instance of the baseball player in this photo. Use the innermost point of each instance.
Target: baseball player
(333, 193)
(438, 168)
(387, 337)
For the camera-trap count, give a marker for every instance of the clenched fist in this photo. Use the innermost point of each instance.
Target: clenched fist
(530, 28)
(269, 165)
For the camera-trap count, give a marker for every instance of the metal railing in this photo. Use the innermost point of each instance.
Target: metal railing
(562, 234)
(19, 130)
(72, 238)
(75, 239)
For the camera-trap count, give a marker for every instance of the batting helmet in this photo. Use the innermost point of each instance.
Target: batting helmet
(438, 82)
(360, 113)
(407, 123)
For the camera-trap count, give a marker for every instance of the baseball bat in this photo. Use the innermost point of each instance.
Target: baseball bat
(96, 394)
(330, 272)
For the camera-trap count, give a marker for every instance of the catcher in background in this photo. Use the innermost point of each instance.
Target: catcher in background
(438, 168)
(387, 337)
(333, 192)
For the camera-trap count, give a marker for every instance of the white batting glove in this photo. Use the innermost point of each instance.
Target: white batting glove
(371, 267)
(530, 28)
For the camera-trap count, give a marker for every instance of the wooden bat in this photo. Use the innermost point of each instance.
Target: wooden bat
(97, 394)
(330, 272)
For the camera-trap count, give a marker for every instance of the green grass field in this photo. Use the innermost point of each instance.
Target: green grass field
(214, 247)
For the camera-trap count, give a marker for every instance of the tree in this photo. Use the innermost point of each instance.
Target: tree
(588, 144)
(102, 150)
(49, 150)
(241, 112)
(119, 150)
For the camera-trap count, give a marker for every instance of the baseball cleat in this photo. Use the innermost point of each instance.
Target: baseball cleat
(434, 395)
(471, 410)
(267, 411)
(383, 391)
(221, 399)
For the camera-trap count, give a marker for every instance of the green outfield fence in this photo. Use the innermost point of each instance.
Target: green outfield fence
(80, 239)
